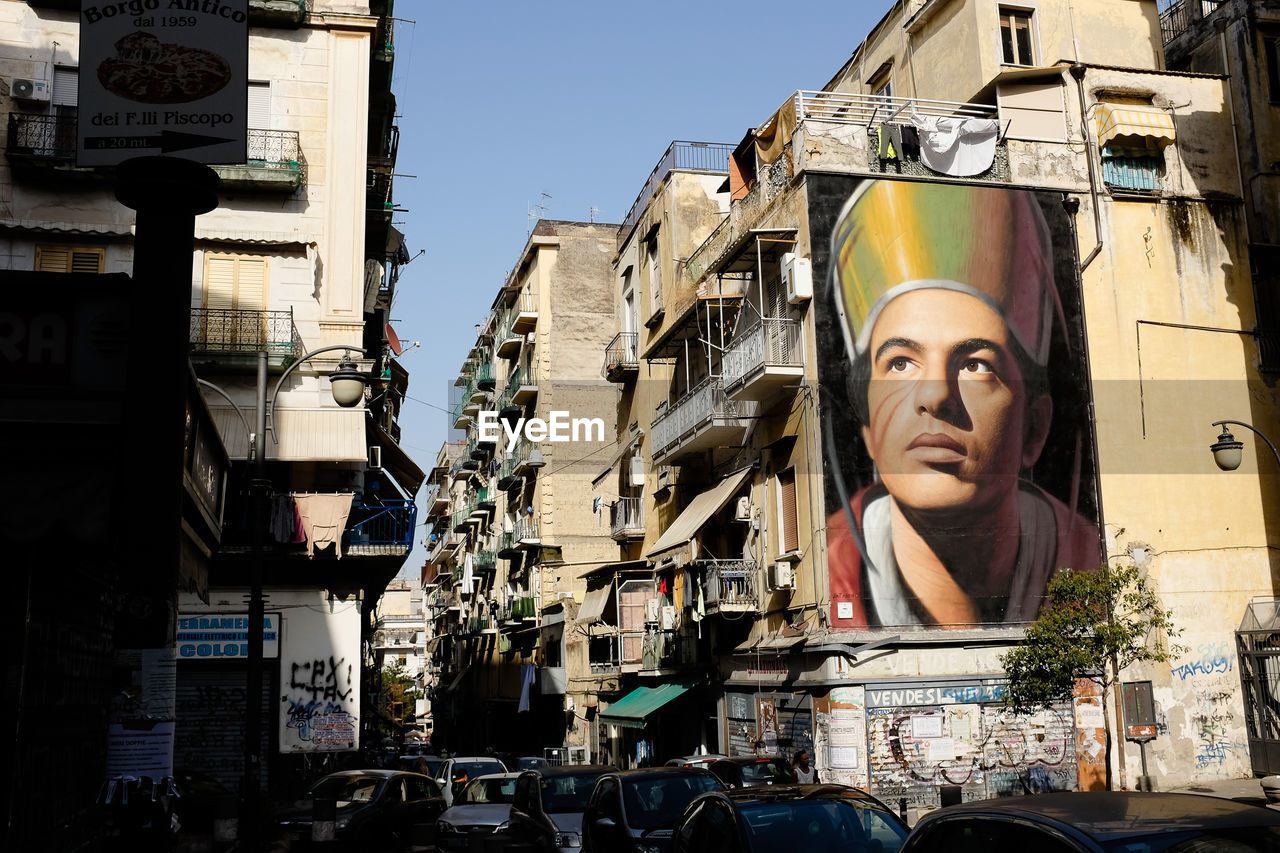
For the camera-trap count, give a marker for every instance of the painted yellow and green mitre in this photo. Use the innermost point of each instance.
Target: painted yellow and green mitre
(893, 237)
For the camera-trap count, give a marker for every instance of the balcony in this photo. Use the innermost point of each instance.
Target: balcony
(519, 391)
(520, 464)
(519, 611)
(626, 519)
(274, 164)
(667, 652)
(385, 528)
(483, 376)
(523, 316)
(436, 500)
(763, 359)
(622, 357)
(704, 418)
(711, 157)
(233, 337)
(45, 145)
(730, 586)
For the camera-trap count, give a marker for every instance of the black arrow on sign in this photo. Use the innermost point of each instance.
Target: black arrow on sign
(165, 140)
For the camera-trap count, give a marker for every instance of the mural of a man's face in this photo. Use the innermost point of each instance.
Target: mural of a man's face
(949, 425)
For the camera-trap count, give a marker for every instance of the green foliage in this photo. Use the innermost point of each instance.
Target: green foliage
(1092, 625)
(394, 698)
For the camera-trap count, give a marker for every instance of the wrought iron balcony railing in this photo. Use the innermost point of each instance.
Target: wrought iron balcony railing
(385, 527)
(626, 517)
(706, 405)
(622, 356)
(770, 342)
(688, 156)
(245, 331)
(42, 136)
(731, 585)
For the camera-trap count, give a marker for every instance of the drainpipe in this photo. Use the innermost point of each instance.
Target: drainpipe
(1077, 71)
(1220, 24)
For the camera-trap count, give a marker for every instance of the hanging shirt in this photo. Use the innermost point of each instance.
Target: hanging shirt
(959, 147)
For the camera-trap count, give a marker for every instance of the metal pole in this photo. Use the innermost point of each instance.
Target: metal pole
(260, 496)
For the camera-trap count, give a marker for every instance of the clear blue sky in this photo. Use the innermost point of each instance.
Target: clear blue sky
(500, 103)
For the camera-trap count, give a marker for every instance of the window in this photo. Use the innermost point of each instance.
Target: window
(235, 282)
(1015, 36)
(259, 114)
(1132, 169)
(69, 259)
(655, 273)
(788, 526)
(1271, 55)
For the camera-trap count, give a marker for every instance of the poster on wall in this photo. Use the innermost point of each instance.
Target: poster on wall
(960, 469)
(141, 729)
(320, 679)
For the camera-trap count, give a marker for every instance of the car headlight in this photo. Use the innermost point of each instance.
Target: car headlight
(443, 827)
(568, 839)
(341, 823)
(502, 826)
(647, 847)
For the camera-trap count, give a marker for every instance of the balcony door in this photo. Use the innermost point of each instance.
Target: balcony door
(235, 302)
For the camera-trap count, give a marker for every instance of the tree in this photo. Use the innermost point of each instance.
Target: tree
(1093, 625)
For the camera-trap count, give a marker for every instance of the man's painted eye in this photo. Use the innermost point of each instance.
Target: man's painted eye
(897, 364)
(977, 365)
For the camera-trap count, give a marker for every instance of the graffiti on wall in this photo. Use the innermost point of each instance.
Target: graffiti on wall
(1206, 684)
(983, 747)
(320, 702)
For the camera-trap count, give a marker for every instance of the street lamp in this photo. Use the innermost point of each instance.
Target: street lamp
(347, 385)
(1227, 450)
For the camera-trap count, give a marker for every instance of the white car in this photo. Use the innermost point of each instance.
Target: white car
(481, 808)
(455, 773)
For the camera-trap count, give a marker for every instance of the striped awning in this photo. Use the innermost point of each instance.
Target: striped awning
(1142, 123)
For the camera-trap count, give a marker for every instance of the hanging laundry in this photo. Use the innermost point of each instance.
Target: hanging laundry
(890, 141)
(526, 684)
(324, 518)
(910, 142)
(959, 147)
(283, 515)
(468, 578)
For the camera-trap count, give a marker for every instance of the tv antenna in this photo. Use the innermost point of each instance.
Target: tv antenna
(539, 210)
(591, 213)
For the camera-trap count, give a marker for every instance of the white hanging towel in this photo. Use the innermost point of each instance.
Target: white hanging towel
(324, 518)
(526, 683)
(468, 579)
(959, 147)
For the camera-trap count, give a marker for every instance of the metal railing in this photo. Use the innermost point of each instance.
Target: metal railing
(52, 136)
(688, 156)
(622, 353)
(770, 342)
(626, 514)
(515, 381)
(659, 650)
(705, 402)
(390, 522)
(845, 108)
(244, 331)
(279, 148)
(1175, 18)
(730, 584)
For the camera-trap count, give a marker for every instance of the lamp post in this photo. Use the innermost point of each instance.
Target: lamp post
(347, 387)
(1227, 450)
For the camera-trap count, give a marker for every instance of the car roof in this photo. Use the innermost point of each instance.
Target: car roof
(664, 770)
(493, 758)
(553, 770)
(1104, 815)
(775, 793)
(754, 759)
(500, 776)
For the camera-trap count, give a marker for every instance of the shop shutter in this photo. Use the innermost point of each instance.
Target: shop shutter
(209, 724)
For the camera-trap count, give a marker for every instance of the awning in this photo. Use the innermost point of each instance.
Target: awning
(396, 461)
(453, 685)
(701, 508)
(593, 606)
(1140, 123)
(300, 435)
(630, 710)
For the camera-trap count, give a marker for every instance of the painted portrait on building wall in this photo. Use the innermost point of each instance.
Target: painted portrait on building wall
(959, 463)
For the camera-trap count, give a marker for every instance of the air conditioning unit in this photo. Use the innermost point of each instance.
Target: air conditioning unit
(29, 90)
(652, 610)
(375, 457)
(797, 276)
(742, 511)
(637, 471)
(782, 576)
(669, 618)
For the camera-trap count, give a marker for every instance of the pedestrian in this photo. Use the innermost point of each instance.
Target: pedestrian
(804, 772)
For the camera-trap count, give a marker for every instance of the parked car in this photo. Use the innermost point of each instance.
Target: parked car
(635, 810)
(1098, 822)
(786, 818)
(455, 773)
(745, 771)
(695, 760)
(546, 814)
(375, 809)
(530, 762)
(428, 765)
(481, 808)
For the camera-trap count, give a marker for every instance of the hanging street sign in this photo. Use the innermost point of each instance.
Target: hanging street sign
(163, 76)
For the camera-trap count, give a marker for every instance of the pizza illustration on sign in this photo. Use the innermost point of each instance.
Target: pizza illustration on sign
(150, 72)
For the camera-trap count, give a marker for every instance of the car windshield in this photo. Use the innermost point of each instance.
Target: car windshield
(490, 791)
(655, 802)
(562, 794)
(1244, 839)
(780, 827)
(347, 789)
(760, 771)
(530, 762)
(472, 769)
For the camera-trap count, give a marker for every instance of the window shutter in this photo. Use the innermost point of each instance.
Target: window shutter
(67, 259)
(66, 86)
(260, 106)
(52, 260)
(790, 533)
(252, 285)
(220, 283)
(86, 261)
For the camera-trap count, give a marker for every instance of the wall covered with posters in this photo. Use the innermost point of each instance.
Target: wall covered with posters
(960, 471)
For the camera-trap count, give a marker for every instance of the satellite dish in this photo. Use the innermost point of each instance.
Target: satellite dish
(393, 339)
